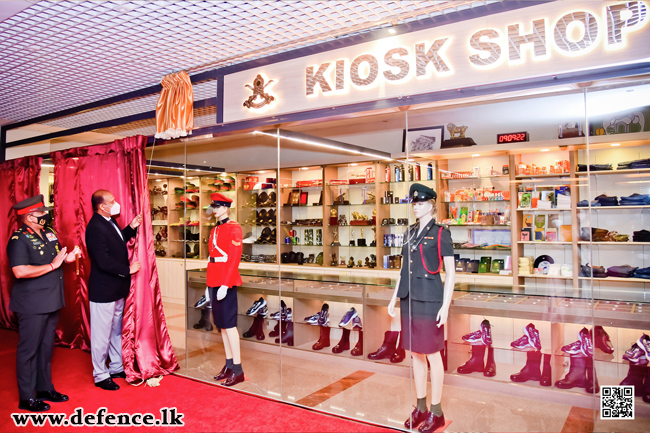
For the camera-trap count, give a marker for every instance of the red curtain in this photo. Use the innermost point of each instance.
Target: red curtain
(18, 180)
(119, 167)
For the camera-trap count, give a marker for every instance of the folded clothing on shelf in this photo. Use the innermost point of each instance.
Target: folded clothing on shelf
(642, 273)
(635, 200)
(641, 236)
(625, 271)
(605, 200)
(639, 163)
(598, 271)
(595, 167)
(526, 265)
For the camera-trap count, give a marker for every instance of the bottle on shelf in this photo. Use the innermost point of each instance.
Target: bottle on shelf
(410, 173)
(417, 172)
(430, 171)
(397, 173)
(387, 173)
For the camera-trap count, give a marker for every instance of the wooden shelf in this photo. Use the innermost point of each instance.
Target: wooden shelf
(545, 210)
(544, 243)
(476, 201)
(542, 176)
(610, 172)
(613, 243)
(547, 277)
(583, 208)
(619, 279)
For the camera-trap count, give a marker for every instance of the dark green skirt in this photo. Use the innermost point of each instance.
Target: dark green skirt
(420, 332)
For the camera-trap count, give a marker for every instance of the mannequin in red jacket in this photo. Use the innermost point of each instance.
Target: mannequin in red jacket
(223, 277)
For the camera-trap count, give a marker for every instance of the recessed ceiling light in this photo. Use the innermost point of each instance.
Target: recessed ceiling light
(615, 144)
(305, 168)
(261, 172)
(476, 154)
(392, 31)
(158, 180)
(354, 164)
(545, 150)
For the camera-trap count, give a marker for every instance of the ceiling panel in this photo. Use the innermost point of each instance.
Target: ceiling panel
(56, 55)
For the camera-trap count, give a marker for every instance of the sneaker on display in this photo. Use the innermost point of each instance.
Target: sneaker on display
(324, 315)
(312, 320)
(644, 344)
(486, 333)
(201, 302)
(473, 338)
(533, 336)
(348, 317)
(521, 343)
(356, 323)
(263, 312)
(586, 344)
(288, 316)
(257, 305)
(635, 355)
(573, 348)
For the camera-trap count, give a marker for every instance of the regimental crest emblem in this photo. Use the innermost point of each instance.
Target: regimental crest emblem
(259, 98)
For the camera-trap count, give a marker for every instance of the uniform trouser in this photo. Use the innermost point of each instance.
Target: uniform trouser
(34, 353)
(106, 338)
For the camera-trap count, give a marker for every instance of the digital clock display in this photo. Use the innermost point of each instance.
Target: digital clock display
(513, 137)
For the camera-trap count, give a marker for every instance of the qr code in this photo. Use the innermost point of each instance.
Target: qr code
(616, 402)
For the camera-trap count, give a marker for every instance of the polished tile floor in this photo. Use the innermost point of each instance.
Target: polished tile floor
(345, 389)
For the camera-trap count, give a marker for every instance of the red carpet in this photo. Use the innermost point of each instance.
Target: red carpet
(206, 408)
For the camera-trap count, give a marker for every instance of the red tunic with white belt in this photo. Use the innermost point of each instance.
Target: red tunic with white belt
(225, 254)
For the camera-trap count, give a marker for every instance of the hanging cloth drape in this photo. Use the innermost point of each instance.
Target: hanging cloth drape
(18, 180)
(119, 167)
(174, 111)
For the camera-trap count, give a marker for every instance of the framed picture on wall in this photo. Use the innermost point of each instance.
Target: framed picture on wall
(423, 139)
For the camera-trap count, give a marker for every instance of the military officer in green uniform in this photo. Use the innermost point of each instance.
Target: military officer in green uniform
(424, 304)
(35, 257)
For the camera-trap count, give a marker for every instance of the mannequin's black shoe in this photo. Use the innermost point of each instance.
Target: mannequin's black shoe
(591, 385)
(490, 366)
(107, 385)
(387, 348)
(224, 373)
(233, 379)
(635, 376)
(475, 363)
(344, 344)
(33, 405)
(530, 370)
(576, 375)
(54, 396)
(120, 375)
(432, 423)
(416, 418)
(547, 378)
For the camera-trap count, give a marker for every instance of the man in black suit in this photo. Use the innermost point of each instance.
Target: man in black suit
(108, 286)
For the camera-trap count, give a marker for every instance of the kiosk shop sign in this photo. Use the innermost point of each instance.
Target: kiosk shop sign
(534, 41)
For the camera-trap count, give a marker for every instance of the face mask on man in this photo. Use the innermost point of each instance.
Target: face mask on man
(43, 220)
(115, 209)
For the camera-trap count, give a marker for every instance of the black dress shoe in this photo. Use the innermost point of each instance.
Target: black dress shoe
(233, 379)
(416, 417)
(120, 375)
(108, 385)
(33, 405)
(54, 396)
(224, 373)
(432, 423)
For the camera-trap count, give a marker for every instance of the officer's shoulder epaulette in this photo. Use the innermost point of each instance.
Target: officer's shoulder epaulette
(444, 226)
(17, 233)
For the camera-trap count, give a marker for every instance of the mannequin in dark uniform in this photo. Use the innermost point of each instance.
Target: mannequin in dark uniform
(424, 304)
(35, 258)
(223, 277)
